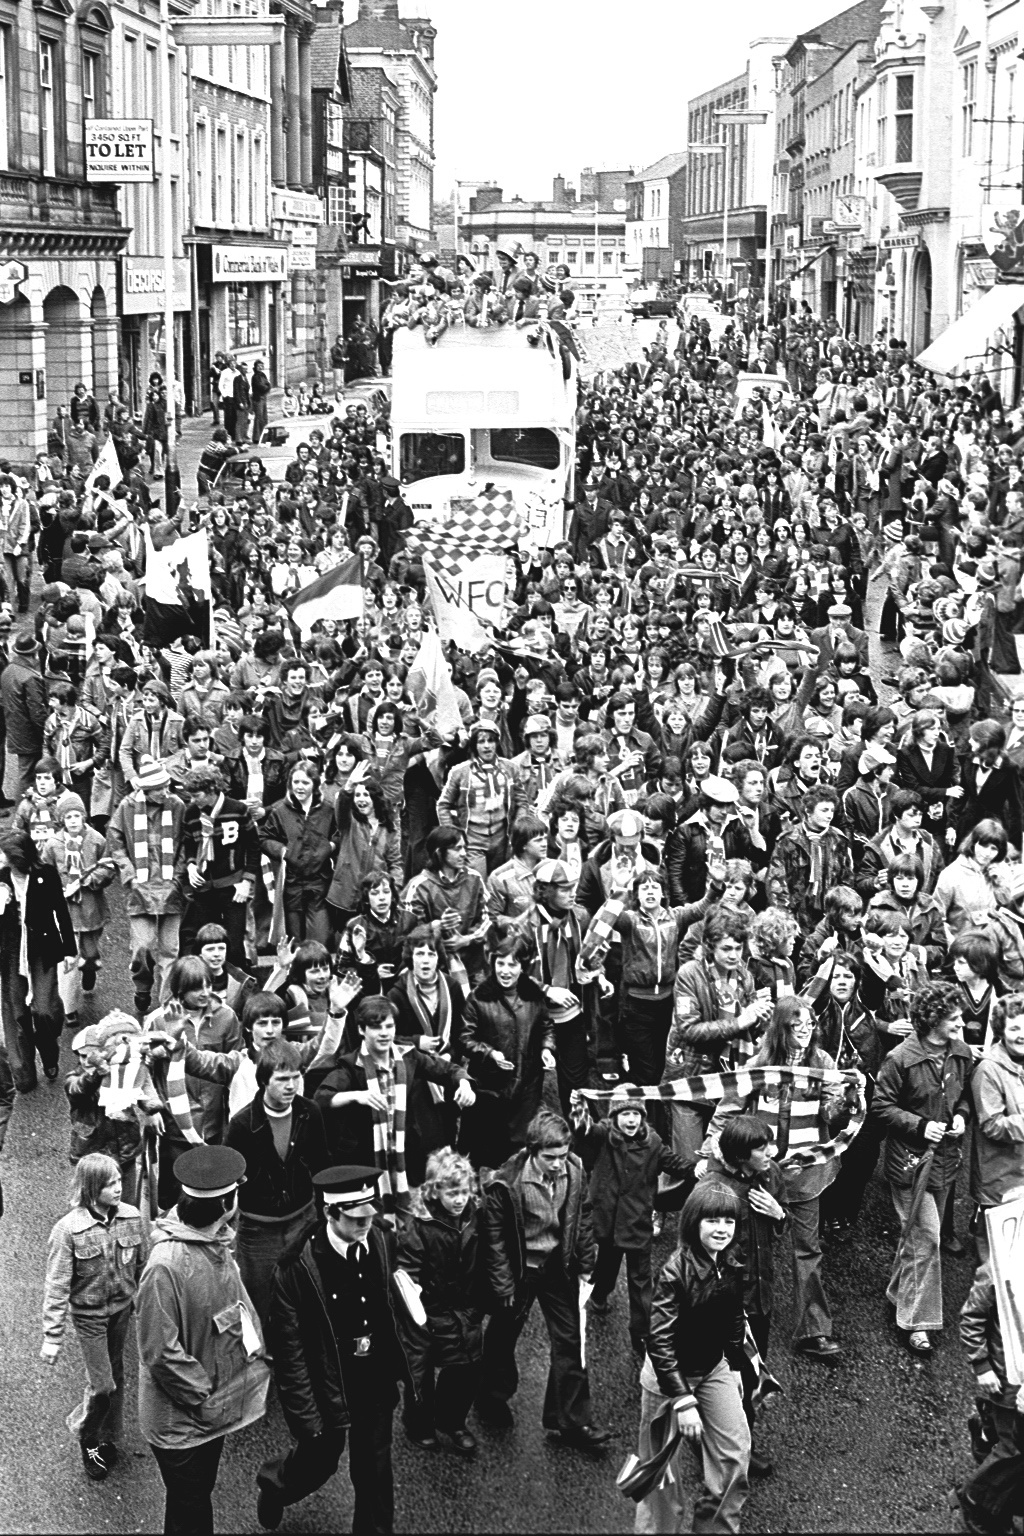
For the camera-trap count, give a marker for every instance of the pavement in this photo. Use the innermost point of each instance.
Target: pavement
(870, 1444)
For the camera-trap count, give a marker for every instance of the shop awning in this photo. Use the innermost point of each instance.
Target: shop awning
(967, 340)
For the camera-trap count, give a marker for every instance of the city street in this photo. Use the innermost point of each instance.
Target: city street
(871, 1444)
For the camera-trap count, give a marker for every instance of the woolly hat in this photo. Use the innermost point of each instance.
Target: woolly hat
(954, 631)
(874, 757)
(86, 1039)
(114, 1024)
(627, 1096)
(152, 775)
(486, 675)
(892, 533)
(69, 801)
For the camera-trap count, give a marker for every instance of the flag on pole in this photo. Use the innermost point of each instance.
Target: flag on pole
(456, 620)
(337, 594)
(472, 576)
(108, 463)
(430, 684)
(770, 435)
(178, 589)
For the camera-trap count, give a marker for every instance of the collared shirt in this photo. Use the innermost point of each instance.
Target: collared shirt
(342, 1247)
(543, 1199)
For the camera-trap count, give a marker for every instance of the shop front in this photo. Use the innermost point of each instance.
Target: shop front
(242, 287)
(143, 341)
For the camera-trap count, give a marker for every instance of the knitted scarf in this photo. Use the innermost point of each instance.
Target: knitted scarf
(441, 1026)
(208, 823)
(65, 749)
(736, 1088)
(170, 1081)
(73, 857)
(389, 1135)
(140, 852)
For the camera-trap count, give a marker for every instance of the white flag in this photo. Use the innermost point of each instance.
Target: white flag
(430, 684)
(455, 619)
(108, 463)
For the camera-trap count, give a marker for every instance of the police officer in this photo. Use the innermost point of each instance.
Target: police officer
(337, 1356)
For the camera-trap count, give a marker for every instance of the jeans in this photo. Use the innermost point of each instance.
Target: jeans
(216, 906)
(486, 859)
(259, 1246)
(811, 1312)
(725, 1447)
(189, 1477)
(997, 1487)
(309, 1463)
(689, 1126)
(916, 1282)
(154, 940)
(567, 1398)
(29, 1030)
(445, 1399)
(305, 913)
(99, 1417)
(17, 576)
(638, 1281)
(645, 1026)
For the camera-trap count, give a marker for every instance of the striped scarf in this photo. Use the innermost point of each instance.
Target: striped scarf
(736, 1088)
(65, 749)
(73, 857)
(169, 1080)
(389, 1133)
(441, 1027)
(140, 852)
(208, 823)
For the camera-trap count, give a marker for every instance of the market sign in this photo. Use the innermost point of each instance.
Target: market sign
(242, 263)
(119, 149)
(11, 274)
(900, 242)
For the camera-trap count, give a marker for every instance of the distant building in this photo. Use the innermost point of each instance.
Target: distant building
(586, 232)
(654, 218)
(401, 50)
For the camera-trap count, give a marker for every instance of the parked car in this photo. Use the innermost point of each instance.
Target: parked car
(652, 301)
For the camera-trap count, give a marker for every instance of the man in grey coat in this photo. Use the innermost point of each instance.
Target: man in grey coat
(26, 708)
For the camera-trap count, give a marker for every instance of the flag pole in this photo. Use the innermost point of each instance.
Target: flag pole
(167, 222)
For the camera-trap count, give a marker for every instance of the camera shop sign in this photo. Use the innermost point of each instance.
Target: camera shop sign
(119, 149)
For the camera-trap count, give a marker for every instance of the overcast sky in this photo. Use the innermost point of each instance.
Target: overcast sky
(528, 91)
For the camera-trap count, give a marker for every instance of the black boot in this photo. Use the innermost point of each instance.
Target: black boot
(23, 597)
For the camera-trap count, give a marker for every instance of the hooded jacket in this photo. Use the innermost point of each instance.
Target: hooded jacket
(197, 1380)
(624, 1178)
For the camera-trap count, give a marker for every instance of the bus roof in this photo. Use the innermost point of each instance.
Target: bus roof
(478, 378)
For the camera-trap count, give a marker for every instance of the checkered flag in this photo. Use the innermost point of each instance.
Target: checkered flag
(450, 552)
(490, 517)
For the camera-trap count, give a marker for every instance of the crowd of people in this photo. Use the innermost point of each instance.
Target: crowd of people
(418, 1014)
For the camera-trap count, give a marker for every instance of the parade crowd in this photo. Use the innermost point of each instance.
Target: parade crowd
(418, 1015)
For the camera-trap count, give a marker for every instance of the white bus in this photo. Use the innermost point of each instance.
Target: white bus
(481, 409)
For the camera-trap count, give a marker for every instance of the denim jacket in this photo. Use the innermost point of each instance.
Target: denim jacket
(91, 1267)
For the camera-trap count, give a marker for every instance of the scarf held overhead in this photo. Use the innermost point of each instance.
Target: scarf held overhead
(737, 1087)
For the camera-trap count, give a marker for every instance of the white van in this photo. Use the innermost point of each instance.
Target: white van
(481, 408)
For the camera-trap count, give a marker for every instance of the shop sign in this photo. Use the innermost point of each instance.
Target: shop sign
(366, 257)
(302, 258)
(119, 149)
(901, 242)
(368, 272)
(11, 274)
(142, 284)
(243, 263)
(301, 207)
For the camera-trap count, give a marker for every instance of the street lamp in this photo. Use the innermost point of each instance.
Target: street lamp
(741, 119)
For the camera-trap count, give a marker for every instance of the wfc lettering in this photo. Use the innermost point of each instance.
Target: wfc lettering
(479, 595)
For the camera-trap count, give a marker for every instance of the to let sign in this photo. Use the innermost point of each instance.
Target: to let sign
(119, 149)
(11, 274)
